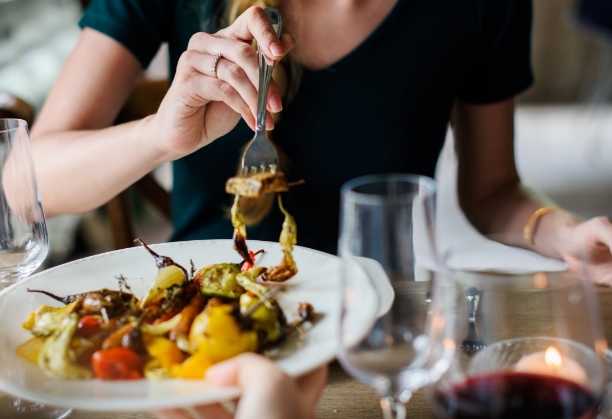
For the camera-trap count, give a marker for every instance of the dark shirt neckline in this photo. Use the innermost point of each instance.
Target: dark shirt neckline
(358, 50)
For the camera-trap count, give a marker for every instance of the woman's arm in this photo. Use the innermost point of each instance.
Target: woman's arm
(495, 202)
(79, 165)
(489, 188)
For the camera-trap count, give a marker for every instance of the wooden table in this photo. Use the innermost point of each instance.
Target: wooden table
(346, 398)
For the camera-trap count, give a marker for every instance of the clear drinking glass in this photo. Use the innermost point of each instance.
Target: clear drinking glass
(386, 243)
(528, 332)
(23, 232)
(23, 236)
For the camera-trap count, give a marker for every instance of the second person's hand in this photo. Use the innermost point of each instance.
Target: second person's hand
(267, 392)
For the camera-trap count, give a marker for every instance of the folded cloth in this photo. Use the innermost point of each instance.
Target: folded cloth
(596, 15)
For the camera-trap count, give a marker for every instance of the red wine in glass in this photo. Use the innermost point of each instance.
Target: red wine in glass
(516, 395)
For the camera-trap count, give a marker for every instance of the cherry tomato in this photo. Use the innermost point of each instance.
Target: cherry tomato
(117, 364)
(246, 265)
(88, 326)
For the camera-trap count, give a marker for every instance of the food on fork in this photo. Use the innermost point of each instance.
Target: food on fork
(256, 184)
(288, 238)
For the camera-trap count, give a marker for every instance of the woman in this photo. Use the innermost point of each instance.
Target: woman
(380, 80)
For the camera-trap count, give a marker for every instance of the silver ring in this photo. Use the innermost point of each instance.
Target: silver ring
(213, 65)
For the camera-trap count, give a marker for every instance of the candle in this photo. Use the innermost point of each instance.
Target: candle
(551, 362)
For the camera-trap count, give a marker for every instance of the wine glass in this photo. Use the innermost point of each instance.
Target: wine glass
(541, 343)
(386, 244)
(23, 235)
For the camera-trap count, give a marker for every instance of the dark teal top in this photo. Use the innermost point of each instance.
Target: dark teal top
(382, 108)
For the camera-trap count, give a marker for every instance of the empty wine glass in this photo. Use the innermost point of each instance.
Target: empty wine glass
(386, 243)
(23, 236)
(540, 327)
(23, 231)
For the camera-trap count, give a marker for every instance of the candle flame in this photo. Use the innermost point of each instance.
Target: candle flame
(539, 280)
(552, 357)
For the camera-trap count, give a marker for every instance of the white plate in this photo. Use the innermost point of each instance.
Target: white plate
(317, 282)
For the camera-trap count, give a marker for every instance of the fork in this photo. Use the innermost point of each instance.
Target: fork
(261, 155)
(472, 342)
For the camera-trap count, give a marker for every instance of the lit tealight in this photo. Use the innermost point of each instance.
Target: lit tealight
(551, 362)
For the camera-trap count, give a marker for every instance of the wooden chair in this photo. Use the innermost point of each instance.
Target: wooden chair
(144, 100)
(13, 107)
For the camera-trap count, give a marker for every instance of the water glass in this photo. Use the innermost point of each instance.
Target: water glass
(387, 244)
(23, 236)
(23, 232)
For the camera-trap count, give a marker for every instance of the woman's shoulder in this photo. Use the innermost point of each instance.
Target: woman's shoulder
(143, 25)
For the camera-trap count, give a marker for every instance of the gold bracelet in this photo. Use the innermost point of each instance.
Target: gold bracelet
(528, 230)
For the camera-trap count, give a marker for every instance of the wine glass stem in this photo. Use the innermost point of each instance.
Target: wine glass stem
(392, 409)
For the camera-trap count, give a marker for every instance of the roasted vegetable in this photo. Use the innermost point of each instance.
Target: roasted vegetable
(114, 339)
(240, 231)
(217, 334)
(288, 238)
(160, 329)
(166, 278)
(110, 301)
(161, 261)
(180, 332)
(107, 303)
(30, 350)
(256, 184)
(164, 351)
(46, 319)
(245, 266)
(219, 280)
(247, 281)
(170, 305)
(57, 357)
(88, 326)
(134, 340)
(117, 364)
(305, 311)
(66, 299)
(264, 318)
(193, 367)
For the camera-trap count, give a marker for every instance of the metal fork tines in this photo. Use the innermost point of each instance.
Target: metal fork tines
(472, 342)
(261, 155)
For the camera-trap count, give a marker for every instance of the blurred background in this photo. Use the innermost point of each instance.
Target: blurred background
(564, 122)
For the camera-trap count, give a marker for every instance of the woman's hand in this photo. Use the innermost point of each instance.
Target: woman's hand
(200, 107)
(587, 248)
(267, 392)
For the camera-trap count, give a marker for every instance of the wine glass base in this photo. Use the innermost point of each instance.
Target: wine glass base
(10, 277)
(13, 408)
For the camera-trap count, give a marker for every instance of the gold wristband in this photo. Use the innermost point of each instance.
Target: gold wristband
(528, 230)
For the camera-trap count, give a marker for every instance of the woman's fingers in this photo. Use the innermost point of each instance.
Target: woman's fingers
(254, 24)
(603, 228)
(210, 411)
(205, 89)
(233, 78)
(242, 54)
(310, 386)
(226, 71)
(170, 414)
